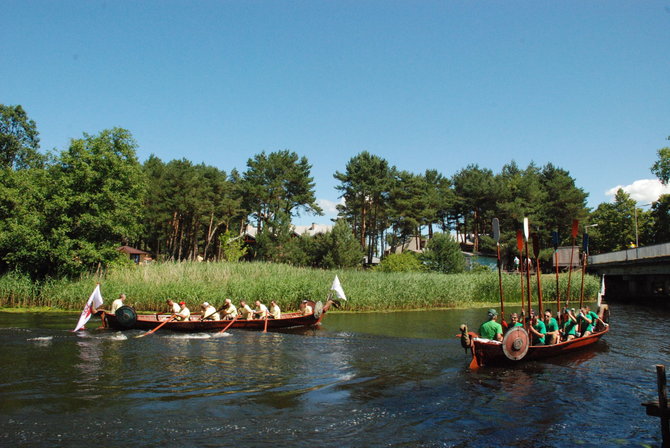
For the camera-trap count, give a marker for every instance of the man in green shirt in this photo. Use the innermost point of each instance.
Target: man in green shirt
(538, 329)
(569, 325)
(553, 335)
(491, 329)
(587, 320)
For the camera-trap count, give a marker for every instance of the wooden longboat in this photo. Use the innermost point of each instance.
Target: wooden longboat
(125, 321)
(492, 353)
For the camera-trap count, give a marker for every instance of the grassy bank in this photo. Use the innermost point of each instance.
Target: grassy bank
(147, 287)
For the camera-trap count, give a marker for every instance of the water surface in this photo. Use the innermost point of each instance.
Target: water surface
(361, 380)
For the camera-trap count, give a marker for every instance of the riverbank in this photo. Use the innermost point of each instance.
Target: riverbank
(147, 287)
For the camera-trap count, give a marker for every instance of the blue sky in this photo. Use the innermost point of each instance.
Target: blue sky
(584, 85)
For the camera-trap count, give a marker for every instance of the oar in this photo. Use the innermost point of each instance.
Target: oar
(585, 249)
(228, 326)
(265, 328)
(474, 364)
(554, 240)
(519, 245)
(538, 271)
(575, 229)
(525, 238)
(496, 236)
(170, 319)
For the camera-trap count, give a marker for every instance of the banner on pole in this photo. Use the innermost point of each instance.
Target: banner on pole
(94, 301)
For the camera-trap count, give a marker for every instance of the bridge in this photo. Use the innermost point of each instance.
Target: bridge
(637, 274)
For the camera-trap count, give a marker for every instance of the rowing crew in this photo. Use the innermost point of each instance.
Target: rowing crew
(545, 331)
(227, 312)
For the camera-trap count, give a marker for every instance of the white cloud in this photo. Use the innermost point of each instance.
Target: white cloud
(642, 191)
(329, 207)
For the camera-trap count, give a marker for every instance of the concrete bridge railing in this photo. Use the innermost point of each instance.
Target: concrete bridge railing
(637, 253)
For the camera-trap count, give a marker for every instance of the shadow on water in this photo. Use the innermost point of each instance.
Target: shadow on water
(361, 380)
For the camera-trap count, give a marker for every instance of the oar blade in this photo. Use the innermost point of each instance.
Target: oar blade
(526, 228)
(519, 241)
(536, 245)
(474, 364)
(575, 228)
(496, 230)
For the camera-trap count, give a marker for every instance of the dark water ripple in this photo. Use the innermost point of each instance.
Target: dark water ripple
(394, 380)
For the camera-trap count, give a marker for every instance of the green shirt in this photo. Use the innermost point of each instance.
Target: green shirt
(489, 330)
(584, 326)
(552, 325)
(540, 327)
(570, 327)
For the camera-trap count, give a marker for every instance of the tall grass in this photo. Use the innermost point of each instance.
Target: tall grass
(147, 287)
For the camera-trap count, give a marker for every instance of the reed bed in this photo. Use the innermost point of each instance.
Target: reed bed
(147, 287)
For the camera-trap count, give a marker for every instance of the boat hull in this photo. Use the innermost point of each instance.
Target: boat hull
(490, 353)
(195, 325)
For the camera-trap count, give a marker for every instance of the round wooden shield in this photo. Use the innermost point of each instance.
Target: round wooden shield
(126, 316)
(318, 309)
(515, 343)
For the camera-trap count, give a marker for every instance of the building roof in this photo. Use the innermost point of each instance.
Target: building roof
(131, 250)
(312, 230)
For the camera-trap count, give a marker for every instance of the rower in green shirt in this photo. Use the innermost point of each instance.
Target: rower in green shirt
(553, 335)
(569, 325)
(514, 318)
(537, 328)
(491, 329)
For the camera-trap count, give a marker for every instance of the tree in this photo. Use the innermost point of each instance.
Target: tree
(339, 248)
(616, 224)
(661, 168)
(189, 208)
(93, 202)
(232, 248)
(19, 141)
(443, 254)
(408, 201)
(660, 215)
(278, 187)
(476, 193)
(365, 188)
(440, 199)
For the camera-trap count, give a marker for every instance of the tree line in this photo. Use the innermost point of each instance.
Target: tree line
(65, 213)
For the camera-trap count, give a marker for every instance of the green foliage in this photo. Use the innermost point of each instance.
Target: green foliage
(365, 186)
(402, 262)
(661, 168)
(443, 254)
(93, 201)
(660, 215)
(19, 141)
(616, 224)
(232, 248)
(339, 248)
(279, 186)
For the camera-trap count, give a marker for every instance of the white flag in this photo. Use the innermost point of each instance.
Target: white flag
(339, 292)
(601, 293)
(93, 302)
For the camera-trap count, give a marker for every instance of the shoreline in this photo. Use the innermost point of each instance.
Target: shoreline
(458, 307)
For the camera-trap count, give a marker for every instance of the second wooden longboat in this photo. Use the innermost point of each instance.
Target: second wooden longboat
(516, 345)
(126, 319)
(515, 348)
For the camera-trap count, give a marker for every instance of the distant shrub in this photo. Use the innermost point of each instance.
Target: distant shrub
(404, 262)
(443, 254)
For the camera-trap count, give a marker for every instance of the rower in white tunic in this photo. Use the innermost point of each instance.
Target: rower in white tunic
(118, 303)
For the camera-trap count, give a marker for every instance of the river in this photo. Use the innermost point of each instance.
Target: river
(361, 380)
